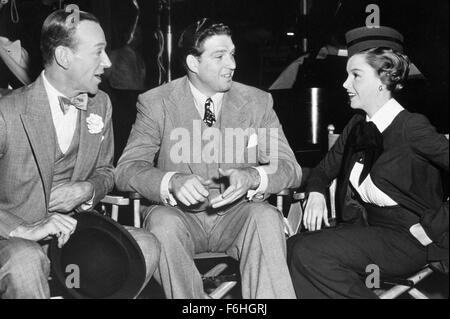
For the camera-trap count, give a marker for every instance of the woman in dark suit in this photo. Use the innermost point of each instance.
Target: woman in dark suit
(389, 196)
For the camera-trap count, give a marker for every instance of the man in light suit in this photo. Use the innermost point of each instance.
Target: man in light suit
(209, 151)
(56, 151)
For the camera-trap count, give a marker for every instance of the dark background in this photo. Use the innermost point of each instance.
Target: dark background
(264, 49)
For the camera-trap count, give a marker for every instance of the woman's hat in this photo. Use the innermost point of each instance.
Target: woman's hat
(101, 260)
(365, 38)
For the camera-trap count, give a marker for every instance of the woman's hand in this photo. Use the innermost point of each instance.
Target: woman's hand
(315, 212)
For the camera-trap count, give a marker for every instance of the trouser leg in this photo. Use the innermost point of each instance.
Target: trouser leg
(253, 233)
(24, 270)
(150, 248)
(179, 235)
(329, 263)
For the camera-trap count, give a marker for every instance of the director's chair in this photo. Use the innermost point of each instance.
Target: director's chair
(218, 284)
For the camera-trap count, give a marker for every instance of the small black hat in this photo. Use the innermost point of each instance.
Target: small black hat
(110, 262)
(365, 38)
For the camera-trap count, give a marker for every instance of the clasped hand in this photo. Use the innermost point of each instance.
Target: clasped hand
(193, 189)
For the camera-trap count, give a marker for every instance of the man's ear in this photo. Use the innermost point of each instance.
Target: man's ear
(63, 56)
(192, 63)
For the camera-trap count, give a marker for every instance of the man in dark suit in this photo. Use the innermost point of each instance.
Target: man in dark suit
(56, 151)
(211, 199)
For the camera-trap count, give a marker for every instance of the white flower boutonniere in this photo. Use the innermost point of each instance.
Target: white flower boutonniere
(95, 123)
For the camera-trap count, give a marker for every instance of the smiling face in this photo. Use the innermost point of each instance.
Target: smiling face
(212, 72)
(363, 85)
(89, 59)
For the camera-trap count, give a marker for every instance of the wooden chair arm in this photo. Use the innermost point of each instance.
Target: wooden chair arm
(115, 200)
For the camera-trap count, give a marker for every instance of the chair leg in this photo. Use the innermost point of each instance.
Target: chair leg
(416, 294)
(396, 291)
(137, 213)
(115, 213)
(222, 290)
(216, 271)
(280, 203)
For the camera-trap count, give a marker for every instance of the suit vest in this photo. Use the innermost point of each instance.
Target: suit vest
(65, 163)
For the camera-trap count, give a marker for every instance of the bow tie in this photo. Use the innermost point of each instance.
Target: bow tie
(367, 139)
(79, 101)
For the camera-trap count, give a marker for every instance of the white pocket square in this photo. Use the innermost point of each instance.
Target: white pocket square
(253, 141)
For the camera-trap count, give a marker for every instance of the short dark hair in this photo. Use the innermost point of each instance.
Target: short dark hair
(194, 36)
(391, 66)
(57, 31)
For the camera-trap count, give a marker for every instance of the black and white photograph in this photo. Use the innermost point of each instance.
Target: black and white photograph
(224, 155)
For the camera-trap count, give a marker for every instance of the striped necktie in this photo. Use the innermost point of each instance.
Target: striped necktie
(209, 118)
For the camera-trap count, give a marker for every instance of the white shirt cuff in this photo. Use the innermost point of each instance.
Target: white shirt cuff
(259, 192)
(89, 204)
(166, 197)
(419, 233)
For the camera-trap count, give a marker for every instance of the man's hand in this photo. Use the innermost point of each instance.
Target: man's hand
(67, 197)
(189, 189)
(315, 212)
(241, 181)
(58, 225)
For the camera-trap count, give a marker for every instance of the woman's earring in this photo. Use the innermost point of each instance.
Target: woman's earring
(380, 88)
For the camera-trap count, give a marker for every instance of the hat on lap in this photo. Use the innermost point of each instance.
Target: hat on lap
(101, 260)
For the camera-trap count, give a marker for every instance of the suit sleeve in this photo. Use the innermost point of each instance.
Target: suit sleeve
(8, 221)
(103, 175)
(328, 169)
(2, 136)
(136, 171)
(281, 167)
(429, 144)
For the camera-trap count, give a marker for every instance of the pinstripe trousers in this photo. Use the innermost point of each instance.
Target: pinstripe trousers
(249, 232)
(24, 270)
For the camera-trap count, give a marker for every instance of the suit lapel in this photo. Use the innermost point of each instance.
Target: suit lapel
(184, 114)
(38, 124)
(232, 113)
(89, 143)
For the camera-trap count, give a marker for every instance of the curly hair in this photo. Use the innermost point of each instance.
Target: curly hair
(194, 36)
(392, 66)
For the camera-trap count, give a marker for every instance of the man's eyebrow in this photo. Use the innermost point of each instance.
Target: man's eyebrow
(101, 44)
(220, 51)
(223, 51)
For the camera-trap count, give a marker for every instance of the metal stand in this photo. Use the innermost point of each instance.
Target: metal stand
(165, 41)
(169, 40)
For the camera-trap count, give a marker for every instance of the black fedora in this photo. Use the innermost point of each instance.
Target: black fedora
(106, 257)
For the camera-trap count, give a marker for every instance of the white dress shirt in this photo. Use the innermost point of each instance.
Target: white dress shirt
(199, 101)
(368, 191)
(65, 124)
